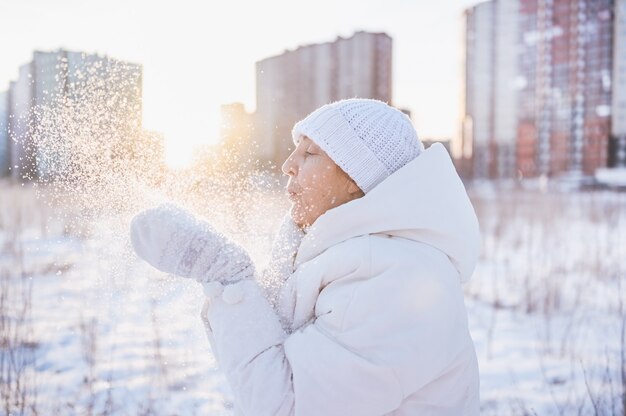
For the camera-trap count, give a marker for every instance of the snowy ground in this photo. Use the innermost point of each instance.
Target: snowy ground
(87, 329)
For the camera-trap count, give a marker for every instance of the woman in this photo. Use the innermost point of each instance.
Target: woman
(361, 310)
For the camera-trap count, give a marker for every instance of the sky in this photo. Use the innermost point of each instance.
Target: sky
(197, 55)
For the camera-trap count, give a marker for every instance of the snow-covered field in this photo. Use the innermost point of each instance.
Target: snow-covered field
(86, 328)
(546, 303)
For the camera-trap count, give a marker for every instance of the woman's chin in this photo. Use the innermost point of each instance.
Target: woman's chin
(297, 216)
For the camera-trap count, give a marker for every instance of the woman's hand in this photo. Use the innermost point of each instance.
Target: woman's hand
(174, 241)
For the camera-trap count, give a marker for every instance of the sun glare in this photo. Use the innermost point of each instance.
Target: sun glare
(185, 133)
(178, 154)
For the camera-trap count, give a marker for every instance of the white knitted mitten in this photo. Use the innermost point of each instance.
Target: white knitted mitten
(174, 241)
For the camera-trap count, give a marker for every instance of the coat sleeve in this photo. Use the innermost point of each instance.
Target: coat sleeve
(306, 373)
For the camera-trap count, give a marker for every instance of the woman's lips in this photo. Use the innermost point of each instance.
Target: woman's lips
(291, 192)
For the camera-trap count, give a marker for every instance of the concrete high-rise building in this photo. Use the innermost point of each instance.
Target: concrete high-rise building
(479, 75)
(506, 83)
(4, 134)
(543, 87)
(104, 93)
(21, 132)
(617, 143)
(566, 63)
(236, 148)
(489, 108)
(237, 126)
(291, 85)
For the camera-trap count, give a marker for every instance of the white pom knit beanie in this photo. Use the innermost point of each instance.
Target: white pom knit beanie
(366, 138)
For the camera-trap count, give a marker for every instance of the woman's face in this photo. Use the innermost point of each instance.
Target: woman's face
(316, 183)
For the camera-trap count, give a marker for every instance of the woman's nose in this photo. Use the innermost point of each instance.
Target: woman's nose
(289, 167)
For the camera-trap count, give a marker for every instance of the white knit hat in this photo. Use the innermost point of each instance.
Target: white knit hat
(367, 138)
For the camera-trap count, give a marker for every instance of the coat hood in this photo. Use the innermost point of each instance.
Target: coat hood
(424, 201)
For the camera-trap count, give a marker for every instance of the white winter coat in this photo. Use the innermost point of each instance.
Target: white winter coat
(372, 321)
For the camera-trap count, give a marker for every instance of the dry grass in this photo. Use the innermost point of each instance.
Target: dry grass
(558, 259)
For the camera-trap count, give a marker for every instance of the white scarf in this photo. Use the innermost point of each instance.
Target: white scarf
(283, 254)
